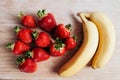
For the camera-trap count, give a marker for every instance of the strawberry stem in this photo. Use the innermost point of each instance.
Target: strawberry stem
(17, 29)
(9, 45)
(68, 26)
(20, 14)
(57, 40)
(28, 54)
(42, 13)
(74, 37)
(20, 60)
(34, 34)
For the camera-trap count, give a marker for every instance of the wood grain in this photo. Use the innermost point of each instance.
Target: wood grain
(63, 11)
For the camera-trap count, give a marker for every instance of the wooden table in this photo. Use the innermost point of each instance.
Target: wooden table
(63, 11)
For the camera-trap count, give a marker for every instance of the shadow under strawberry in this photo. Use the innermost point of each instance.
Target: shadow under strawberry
(11, 60)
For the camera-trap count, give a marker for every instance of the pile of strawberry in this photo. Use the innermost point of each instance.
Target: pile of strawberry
(33, 46)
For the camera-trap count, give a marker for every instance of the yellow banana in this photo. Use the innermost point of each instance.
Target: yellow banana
(85, 52)
(107, 38)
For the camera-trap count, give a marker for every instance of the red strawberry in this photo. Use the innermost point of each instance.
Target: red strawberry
(26, 65)
(70, 43)
(27, 20)
(38, 54)
(62, 31)
(18, 47)
(24, 34)
(42, 39)
(58, 48)
(46, 21)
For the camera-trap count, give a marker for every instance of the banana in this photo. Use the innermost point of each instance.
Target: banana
(107, 38)
(85, 52)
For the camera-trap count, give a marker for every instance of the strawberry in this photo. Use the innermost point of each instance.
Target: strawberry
(27, 20)
(26, 65)
(24, 34)
(62, 31)
(42, 39)
(37, 55)
(18, 47)
(70, 43)
(46, 21)
(58, 48)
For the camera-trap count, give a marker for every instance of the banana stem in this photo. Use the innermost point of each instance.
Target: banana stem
(83, 18)
(86, 14)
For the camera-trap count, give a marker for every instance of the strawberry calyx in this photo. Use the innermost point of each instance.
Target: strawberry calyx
(17, 29)
(34, 34)
(29, 54)
(41, 13)
(68, 26)
(10, 45)
(20, 14)
(20, 60)
(59, 44)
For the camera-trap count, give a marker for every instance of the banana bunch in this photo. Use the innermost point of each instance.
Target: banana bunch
(98, 43)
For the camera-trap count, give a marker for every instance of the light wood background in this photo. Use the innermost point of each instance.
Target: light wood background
(63, 10)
